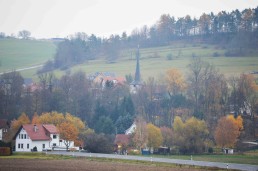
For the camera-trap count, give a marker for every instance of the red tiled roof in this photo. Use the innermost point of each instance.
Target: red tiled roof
(36, 133)
(122, 138)
(51, 129)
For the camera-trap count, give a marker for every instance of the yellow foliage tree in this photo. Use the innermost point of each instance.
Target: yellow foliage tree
(23, 119)
(54, 118)
(155, 138)
(191, 135)
(35, 119)
(237, 121)
(175, 81)
(58, 119)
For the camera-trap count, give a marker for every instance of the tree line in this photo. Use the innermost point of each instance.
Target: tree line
(236, 31)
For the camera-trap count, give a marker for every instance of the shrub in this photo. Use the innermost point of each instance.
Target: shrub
(5, 151)
(99, 143)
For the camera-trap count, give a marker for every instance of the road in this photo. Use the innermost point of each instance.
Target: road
(246, 167)
(23, 69)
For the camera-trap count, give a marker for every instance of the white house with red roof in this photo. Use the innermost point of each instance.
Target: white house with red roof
(41, 136)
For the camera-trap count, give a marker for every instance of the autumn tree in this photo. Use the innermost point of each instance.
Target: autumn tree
(227, 131)
(74, 122)
(247, 89)
(68, 132)
(190, 136)
(54, 118)
(140, 136)
(175, 82)
(35, 119)
(155, 138)
(167, 135)
(23, 119)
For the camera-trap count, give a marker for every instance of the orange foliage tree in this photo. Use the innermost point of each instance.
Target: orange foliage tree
(227, 131)
(58, 119)
(68, 132)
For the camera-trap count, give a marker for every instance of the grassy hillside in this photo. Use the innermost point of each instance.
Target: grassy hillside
(154, 61)
(16, 54)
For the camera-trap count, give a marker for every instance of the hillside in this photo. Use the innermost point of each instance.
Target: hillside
(16, 54)
(155, 61)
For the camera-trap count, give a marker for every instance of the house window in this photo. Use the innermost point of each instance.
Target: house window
(54, 144)
(60, 140)
(21, 136)
(28, 146)
(19, 145)
(43, 146)
(54, 136)
(25, 136)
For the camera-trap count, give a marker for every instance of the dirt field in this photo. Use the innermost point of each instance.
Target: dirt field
(78, 165)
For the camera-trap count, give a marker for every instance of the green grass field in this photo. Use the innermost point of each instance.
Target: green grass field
(15, 54)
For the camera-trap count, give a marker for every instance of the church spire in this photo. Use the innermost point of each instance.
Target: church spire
(137, 77)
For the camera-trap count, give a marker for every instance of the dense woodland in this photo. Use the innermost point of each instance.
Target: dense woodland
(174, 105)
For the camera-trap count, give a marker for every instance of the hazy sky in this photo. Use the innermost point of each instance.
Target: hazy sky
(59, 18)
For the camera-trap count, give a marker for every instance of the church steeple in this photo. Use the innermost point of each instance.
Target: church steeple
(137, 78)
(137, 83)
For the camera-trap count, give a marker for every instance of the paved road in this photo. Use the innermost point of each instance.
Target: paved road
(164, 160)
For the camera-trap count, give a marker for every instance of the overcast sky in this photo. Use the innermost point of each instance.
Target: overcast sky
(59, 18)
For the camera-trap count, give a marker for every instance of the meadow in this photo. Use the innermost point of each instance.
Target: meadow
(154, 62)
(16, 54)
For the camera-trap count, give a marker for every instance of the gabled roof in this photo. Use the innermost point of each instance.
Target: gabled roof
(122, 138)
(51, 129)
(35, 132)
(38, 132)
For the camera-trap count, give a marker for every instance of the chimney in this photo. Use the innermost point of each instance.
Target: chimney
(35, 128)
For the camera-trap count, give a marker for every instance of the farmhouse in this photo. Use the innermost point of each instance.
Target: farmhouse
(41, 137)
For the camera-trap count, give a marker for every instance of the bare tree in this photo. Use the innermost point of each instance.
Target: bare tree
(24, 34)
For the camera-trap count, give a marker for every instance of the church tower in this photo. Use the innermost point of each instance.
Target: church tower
(137, 83)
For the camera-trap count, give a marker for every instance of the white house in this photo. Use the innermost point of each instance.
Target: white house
(42, 137)
(131, 129)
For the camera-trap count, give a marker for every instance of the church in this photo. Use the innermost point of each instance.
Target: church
(137, 83)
